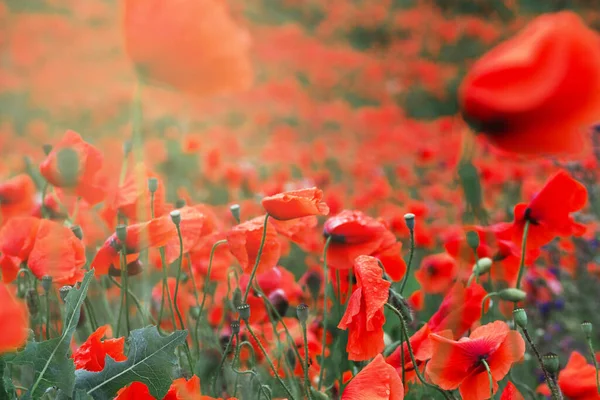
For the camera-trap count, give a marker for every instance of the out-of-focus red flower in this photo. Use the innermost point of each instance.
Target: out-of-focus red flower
(549, 212)
(135, 391)
(376, 381)
(510, 392)
(48, 247)
(9, 267)
(295, 204)
(458, 364)
(14, 313)
(364, 316)
(536, 92)
(16, 197)
(244, 242)
(92, 353)
(182, 389)
(73, 164)
(437, 272)
(162, 40)
(577, 380)
(133, 198)
(300, 231)
(352, 234)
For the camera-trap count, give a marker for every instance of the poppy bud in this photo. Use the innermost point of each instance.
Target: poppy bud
(175, 217)
(400, 303)
(512, 294)
(235, 211)
(587, 327)
(67, 163)
(235, 327)
(76, 229)
(482, 266)
(236, 299)
(551, 363)
(46, 283)
(409, 218)
(520, 317)
(302, 313)
(194, 312)
(179, 203)
(279, 300)
(244, 310)
(127, 147)
(121, 231)
(152, 185)
(473, 240)
(33, 301)
(64, 291)
(47, 148)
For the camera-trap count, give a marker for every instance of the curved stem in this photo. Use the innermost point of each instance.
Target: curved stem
(523, 251)
(176, 304)
(402, 338)
(489, 374)
(324, 337)
(410, 259)
(216, 378)
(411, 353)
(266, 355)
(485, 298)
(258, 256)
(547, 376)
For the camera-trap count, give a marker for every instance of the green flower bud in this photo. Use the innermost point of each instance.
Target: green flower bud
(512, 294)
(76, 229)
(482, 266)
(551, 363)
(235, 211)
(121, 233)
(46, 283)
(179, 203)
(520, 317)
(473, 240)
(47, 148)
(302, 313)
(400, 303)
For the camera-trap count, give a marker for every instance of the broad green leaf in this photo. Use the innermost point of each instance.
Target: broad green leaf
(50, 359)
(151, 360)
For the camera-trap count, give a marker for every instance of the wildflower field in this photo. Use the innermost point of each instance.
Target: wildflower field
(285, 199)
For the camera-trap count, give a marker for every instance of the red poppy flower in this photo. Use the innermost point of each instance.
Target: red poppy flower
(154, 233)
(17, 236)
(376, 381)
(133, 198)
(135, 391)
(296, 204)
(364, 315)
(300, 231)
(577, 380)
(16, 197)
(352, 234)
(14, 312)
(191, 227)
(91, 355)
(182, 389)
(9, 267)
(549, 212)
(458, 364)
(244, 242)
(437, 272)
(510, 392)
(73, 164)
(536, 92)
(162, 39)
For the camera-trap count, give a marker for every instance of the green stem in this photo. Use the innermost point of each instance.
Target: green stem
(48, 315)
(305, 362)
(258, 256)
(266, 355)
(165, 290)
(177, 279)
(137, 302)
(410, 259)
(90, 310)
(523, 251)
(324, 337)
(485, 298)
(402, 338)
(123, 303)
(549, 381)
(225, 353)
(43, 209)
(491, 379)
(411, 353)
(591, 347)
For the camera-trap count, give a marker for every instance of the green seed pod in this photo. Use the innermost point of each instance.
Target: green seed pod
(409, 219)
(46, 283)
(235, 327)
(512, 294)
(551, 363)
(176, 217)
(152, 185)
(587, 328)
(121, 233)
(302, 313)
(400, 303)
(64, 291)
(520, 317)
(244, 310)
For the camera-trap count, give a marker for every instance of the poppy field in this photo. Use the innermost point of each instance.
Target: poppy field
(283, 199)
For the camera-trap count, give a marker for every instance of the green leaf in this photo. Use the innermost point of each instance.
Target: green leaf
(7, 389)
(50, 359)
(151, 360)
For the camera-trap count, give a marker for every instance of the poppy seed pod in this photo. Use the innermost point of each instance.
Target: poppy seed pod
(482, 266)
(587, 328)
(302, 313)
(409, 218)
(121, 232)
(520, 317)
(46, 283)
(473, 240)
(152, 184)
(180, 203)
(175, 217)
(77, 231)
(512, 294)
(235, 211)
(244, 310)
(64, 291)
(235, 327)
(551, 363)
